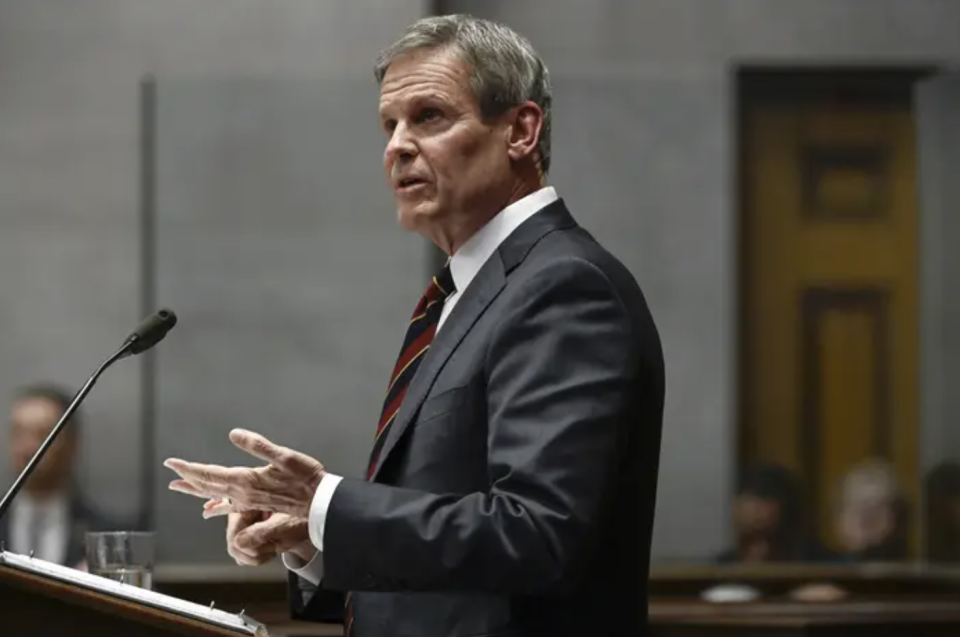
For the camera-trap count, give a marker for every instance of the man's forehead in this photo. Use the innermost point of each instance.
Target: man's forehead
(423, 71)
(34, 410)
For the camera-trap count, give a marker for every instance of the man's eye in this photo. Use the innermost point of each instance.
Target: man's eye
(428, 114)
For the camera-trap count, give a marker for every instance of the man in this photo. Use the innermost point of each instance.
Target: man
(770, 521)
(48, 517)
(872, 519)
(512, 480)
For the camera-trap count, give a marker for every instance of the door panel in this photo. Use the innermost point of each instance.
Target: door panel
(830, 291)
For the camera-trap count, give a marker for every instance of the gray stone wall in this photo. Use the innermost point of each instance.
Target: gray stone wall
(645, 154)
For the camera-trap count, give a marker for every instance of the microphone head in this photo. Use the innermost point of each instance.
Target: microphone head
(151, 330)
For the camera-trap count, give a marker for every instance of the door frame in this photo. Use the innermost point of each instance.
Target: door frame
(771, 84)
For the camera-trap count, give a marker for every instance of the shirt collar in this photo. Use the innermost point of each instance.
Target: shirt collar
(468, 260)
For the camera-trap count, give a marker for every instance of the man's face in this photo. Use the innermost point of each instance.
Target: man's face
(31, 421)
(867, 518)
(755, 517)
(443, 161)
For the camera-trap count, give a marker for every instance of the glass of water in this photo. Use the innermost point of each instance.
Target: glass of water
(124, 556)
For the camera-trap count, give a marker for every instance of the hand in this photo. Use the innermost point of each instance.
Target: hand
(255, 538)
(247, 555)
(286, 485)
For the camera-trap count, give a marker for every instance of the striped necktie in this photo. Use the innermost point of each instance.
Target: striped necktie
(420, 333)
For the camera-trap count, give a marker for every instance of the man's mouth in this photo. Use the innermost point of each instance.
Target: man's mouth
(405, 185)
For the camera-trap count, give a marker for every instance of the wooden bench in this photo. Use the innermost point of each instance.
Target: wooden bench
(881, 601)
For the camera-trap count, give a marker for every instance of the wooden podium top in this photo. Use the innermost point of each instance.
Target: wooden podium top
(45, 604)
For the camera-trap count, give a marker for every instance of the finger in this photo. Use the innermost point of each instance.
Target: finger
(218, 510)
(219, 504)
(199, 490)
(267, 532)
(182, 486)
(217, 507)
(196, 472)
(251, 538)
(254, 558)
(235, 523)
(261, 559)
(279, 456)
(212, 502)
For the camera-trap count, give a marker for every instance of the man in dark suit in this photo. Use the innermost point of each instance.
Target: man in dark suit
(49, 517)
(512, 483)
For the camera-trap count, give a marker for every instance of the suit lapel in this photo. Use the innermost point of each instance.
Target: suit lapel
(478, 295)
(484, 288)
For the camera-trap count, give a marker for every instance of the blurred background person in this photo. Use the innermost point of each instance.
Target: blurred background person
(49, 516)
(769, 520)
(872, 523)
(942, 513)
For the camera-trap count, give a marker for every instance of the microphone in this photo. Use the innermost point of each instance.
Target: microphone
(151, 331)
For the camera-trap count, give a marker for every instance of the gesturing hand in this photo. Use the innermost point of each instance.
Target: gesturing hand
(255, 538)
(248, 555)
(286, 485)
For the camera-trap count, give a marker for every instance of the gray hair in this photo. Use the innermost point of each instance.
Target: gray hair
(506, 71)
(876, 475)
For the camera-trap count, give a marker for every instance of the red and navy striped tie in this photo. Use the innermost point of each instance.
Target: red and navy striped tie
(420, 333)
(423, 326)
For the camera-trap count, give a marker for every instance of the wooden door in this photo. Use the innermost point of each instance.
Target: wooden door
(830, 290)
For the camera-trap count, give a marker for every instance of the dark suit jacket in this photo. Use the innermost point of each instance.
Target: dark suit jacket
(515, 491)
(83, 518)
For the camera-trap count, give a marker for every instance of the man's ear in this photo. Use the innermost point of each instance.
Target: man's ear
(523, 135)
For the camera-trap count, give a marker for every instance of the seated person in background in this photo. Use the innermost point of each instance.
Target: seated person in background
(48, 517)
(872, 516)
(770, 522)
(942, 513)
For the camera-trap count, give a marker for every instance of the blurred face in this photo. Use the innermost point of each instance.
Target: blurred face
(867, 518)
(31, 421)
(755, 517)
(448, 168)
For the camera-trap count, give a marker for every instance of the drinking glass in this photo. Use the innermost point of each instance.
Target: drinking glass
(124, 556)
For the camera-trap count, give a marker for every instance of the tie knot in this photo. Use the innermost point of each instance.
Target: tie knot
(441, 286)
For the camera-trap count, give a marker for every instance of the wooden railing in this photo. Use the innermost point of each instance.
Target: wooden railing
(875, 600)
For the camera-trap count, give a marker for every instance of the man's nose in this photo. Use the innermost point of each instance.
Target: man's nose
(401, 146)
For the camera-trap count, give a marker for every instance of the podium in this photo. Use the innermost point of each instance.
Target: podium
(41, 598)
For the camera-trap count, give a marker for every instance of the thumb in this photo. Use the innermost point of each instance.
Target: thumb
(261, 533)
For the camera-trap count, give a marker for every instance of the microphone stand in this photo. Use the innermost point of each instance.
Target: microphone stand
(77, 399)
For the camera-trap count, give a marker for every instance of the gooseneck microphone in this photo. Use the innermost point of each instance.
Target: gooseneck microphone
(150, 332)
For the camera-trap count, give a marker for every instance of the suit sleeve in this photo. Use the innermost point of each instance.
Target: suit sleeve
(560, 369)
(313, 604)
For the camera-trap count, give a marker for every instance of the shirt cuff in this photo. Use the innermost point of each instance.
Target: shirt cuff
(320, 506)
(312, 571)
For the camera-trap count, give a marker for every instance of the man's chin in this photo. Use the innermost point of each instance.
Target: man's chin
(413, 219)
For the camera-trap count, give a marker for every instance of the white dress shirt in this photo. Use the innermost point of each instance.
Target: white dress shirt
(51, 520)
(464, 266)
